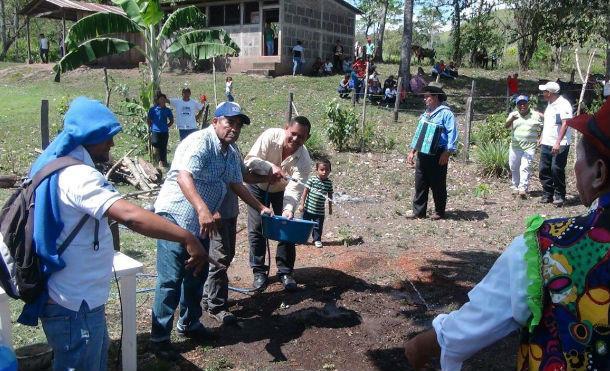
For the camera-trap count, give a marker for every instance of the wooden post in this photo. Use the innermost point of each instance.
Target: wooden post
(27, 32)
(44, 123)
(107, 85)
(63, 36)
(214, 78)
(397, 101)
(468, 124)
(289, 111)
(354, 94)
(366, 90)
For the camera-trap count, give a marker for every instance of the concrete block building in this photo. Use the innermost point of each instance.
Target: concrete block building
(318, 24)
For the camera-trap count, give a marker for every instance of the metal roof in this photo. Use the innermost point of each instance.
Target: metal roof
(173, 4)
(65, 8)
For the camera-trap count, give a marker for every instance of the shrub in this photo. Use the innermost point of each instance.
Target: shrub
(315, 144)
(342, 125)
(492, 158)
(491, 130)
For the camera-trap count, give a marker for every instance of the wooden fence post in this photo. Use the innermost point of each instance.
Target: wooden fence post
(289, 111)
(398, 96)
(366, 89)
(468, 124)
(44, 123)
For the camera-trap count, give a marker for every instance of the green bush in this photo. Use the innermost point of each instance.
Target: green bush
(342, 126)
(491, 130)
(492, 158)
(315, 144)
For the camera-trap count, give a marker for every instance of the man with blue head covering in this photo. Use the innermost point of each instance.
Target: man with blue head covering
(78, 279)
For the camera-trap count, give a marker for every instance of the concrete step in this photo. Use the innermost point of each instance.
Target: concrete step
(265, 65)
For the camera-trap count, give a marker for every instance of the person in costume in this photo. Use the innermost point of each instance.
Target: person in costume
(552, 283)
(431, 165)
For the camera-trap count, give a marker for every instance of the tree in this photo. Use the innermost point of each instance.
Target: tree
(407, 41)
(181, 34)
(9, 32)
(388, 9)
(429, 21)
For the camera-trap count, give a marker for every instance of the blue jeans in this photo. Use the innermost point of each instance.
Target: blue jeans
(79, 339)
(296, 65)
(176, 285)
(270, 47)
(185, 133)
(229, 97)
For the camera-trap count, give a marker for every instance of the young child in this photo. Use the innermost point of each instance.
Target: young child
(229, 89)
(313, 201)
(328, 67)
(344, 87)
(158, 117)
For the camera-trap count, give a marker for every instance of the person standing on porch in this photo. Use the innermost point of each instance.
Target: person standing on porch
(269, 35)
(297, 57)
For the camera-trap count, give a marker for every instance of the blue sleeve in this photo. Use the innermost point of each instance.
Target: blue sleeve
(452, 131)
(170, 114)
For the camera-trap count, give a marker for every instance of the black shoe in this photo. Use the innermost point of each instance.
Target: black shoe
(288, 281)
(260, 281)
(224, 317)
(559, 201)
(199, 334)
(545, 200)
(164, 350)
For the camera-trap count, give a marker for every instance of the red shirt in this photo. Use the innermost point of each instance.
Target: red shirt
(513, 85)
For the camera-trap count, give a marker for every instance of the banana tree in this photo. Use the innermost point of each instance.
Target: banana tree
(182, 34)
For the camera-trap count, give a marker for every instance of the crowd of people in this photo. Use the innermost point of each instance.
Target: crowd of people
(551, 282)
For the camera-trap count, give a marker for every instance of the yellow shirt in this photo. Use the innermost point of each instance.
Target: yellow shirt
(267, 150)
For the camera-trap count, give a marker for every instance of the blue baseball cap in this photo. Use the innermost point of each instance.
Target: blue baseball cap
(231, 109)
(522, 98)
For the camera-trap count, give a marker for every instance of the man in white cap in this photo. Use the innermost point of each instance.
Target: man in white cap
(554, 145)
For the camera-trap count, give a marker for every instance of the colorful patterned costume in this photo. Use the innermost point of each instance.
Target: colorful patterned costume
(569, 266)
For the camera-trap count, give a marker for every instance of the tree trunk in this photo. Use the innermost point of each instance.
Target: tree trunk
(557, 51)
(456, 33)
(3, 35)
(379, 49)
(608, 42)
(405, 52)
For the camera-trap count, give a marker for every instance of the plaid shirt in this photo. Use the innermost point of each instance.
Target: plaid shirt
(201, 155)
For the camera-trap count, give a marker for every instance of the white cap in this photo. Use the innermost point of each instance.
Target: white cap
(607, 89)
(550, 86)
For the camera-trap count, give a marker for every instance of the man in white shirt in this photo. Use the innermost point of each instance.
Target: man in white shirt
(188, 112)
(554, 145)
(43, 44)
(72, 313)
(279, 153)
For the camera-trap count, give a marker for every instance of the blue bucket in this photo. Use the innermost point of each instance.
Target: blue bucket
(278, 228)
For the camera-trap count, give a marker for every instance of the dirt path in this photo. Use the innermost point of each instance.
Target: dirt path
(357, 304)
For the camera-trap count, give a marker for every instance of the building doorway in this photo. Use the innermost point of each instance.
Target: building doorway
(271, 31)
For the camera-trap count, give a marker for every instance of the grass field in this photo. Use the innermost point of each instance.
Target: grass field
(378, 174)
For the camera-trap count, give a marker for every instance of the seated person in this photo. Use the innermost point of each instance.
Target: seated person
(390, 95)
(327, 68)
(452, 69)
(347, 65)
(439, 69)
(389, 82)
(316, 68)
(418, 83)
(344, 87)
(375, 92)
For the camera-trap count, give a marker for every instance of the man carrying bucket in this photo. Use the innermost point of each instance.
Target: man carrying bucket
(280, 153)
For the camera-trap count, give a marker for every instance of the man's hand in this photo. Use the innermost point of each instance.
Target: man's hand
(276, 174)
(267, 211)
(288, 214)
(301, 208)
(421, 348)
(198, 257)
(411, 158)
(444, 159)
(207, 223)
(555, 149)
(217, 220)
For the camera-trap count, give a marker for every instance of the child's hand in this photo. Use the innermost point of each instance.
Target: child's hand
(300, 209)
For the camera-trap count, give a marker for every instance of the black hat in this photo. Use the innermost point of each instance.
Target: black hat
(434, 89)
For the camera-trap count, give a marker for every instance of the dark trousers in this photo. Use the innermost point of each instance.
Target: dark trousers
(183, 133)
(44, 55)
(159, 141)
(337, 64)
(222, 248)
(553, 171)
(316, 233)
(429, 175)
(286, 253)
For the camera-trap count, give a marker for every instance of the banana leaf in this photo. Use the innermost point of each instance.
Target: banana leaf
(204, 44)
(88, 52)
(187, 17)
(99, 25)
(143, 12)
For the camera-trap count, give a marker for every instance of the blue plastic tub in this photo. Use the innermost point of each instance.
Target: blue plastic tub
(278, 228)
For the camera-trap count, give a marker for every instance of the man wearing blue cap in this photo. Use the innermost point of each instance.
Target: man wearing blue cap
(78, 199)
(525, 125)
(204, 165)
